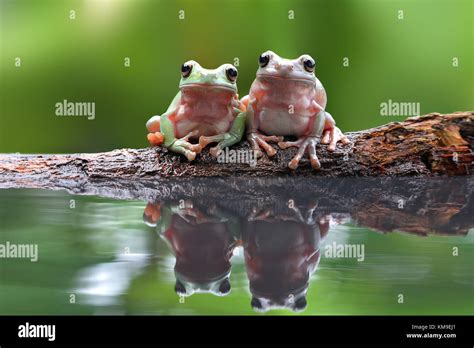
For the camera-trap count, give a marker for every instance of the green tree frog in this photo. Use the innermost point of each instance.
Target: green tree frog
(207, 107)
(287, 99)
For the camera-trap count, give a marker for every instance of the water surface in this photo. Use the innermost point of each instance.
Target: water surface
(270, 249)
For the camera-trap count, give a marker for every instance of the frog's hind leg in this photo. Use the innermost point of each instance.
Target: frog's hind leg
(336, 136)
(181, 145)
(153, 124)
(332, 134)
(154, 136)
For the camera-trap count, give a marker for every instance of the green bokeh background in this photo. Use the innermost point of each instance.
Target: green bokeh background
(409, 60)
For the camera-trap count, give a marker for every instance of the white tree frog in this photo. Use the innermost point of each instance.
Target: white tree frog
(287, 99)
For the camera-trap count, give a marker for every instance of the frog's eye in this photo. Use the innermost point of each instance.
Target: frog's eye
(263, 60)
(309, 64)
(231, 73)
(186, 69)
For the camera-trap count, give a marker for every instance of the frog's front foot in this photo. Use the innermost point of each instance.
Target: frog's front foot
(183, 146)
(206, 140)
(258, 141)
(306, 144)
(332, 136)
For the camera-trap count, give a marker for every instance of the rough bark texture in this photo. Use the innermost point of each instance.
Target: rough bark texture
(420, 146)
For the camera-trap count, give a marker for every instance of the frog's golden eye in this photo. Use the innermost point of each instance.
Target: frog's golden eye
(231, 73)
(186, 69)
(309, 64)
(263, 60)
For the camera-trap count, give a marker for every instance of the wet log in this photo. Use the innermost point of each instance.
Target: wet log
(429, 145)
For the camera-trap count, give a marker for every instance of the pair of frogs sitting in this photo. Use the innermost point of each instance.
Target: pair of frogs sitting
(286, 99)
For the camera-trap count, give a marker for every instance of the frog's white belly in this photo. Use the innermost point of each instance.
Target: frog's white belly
(202, 128)
(205, 118)
(281, 122)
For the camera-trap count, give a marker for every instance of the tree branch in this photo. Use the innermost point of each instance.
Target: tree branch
(420, 146)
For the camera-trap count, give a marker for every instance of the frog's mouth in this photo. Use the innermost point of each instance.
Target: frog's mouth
(207, 86)
(286, 78)
(271, 301)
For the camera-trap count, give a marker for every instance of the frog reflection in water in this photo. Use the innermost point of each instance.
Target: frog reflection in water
(202, 242)
(281, 252)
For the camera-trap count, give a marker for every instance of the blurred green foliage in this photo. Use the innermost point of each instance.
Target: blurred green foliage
(82, 59)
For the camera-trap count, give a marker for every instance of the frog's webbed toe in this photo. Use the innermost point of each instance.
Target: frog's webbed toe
(215, 151)
(259, 141)
(187, 145)
(306, 144)
(326, 137)
(187, 149)
(332, 136)
(190, 155)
